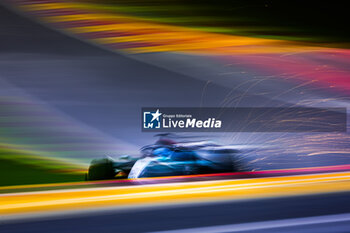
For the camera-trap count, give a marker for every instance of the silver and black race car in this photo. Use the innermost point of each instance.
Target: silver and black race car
(168, 157)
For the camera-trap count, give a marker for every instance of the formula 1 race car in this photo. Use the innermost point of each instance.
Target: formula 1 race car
(169, 158)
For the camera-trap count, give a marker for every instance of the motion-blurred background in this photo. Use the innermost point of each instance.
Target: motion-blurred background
(75, 74)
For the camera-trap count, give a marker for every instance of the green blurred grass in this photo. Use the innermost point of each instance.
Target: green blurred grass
(18, 168)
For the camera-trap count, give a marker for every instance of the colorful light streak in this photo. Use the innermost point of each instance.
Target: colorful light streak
(298, 61)
(176, 193)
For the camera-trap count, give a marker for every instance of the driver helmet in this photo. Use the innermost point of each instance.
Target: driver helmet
(163, 151)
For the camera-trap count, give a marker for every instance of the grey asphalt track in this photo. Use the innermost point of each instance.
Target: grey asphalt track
(99, 88)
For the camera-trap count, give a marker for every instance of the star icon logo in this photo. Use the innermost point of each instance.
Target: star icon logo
(156, 115)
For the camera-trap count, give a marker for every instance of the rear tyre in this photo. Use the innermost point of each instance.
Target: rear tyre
(101, 169)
